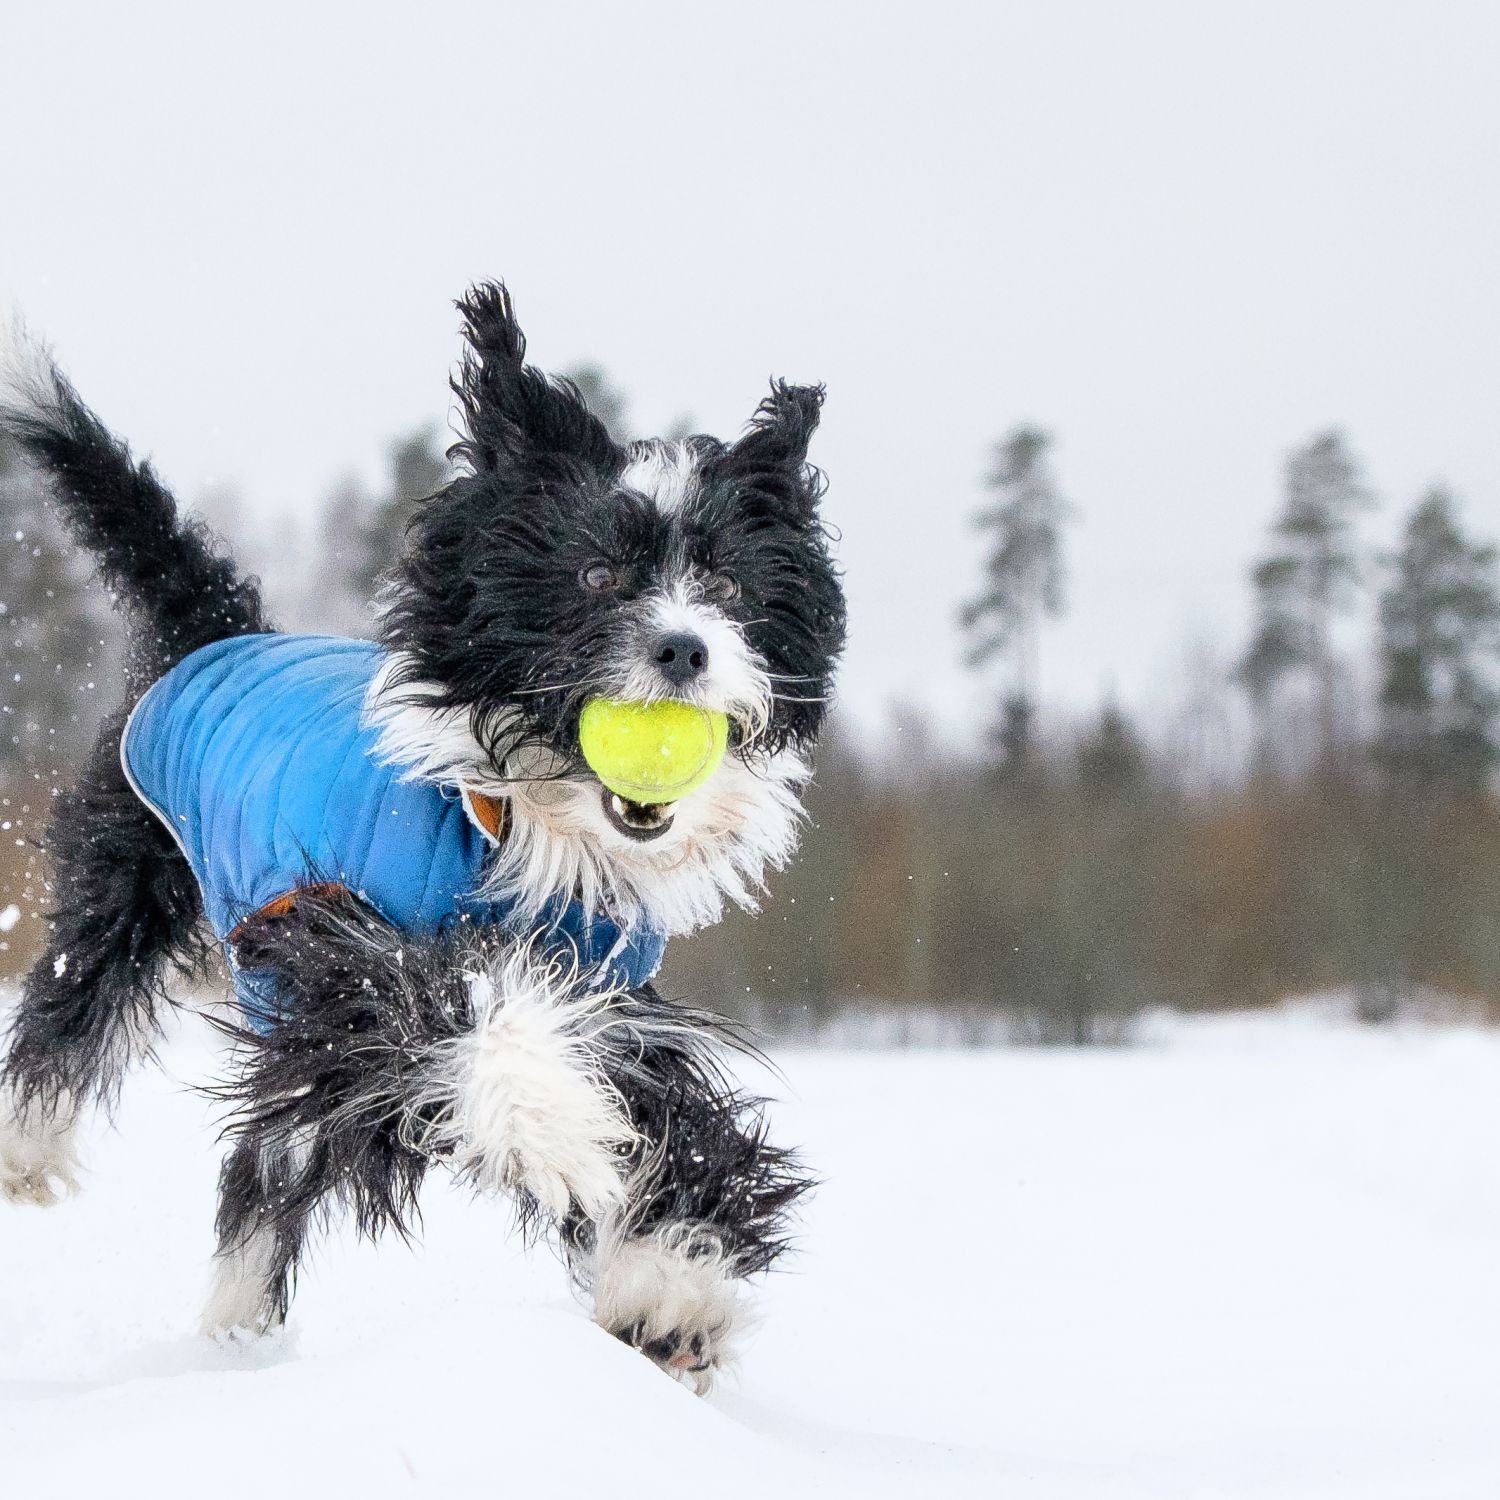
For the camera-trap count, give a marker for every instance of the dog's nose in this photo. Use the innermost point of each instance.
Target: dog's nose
(681, 656)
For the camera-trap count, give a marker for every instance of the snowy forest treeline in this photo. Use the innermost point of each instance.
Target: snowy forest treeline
(1062, 877)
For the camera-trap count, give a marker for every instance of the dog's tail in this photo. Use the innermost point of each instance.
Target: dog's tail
(165, 567)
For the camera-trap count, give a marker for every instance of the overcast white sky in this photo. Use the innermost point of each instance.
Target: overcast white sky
(1182, 236)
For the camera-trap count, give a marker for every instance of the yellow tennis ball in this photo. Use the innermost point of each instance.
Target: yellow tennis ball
(651, 752)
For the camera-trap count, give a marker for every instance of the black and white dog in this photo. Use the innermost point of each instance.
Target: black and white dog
(557, 566)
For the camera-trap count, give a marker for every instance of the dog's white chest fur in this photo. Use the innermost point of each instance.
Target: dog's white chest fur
(558, 842)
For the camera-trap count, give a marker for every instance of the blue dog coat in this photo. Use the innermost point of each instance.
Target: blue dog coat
(252, 752)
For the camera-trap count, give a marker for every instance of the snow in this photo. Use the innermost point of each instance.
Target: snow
(1254, 1258)
(10, 915)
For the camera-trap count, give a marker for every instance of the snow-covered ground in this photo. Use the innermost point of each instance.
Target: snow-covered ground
(1257, 1257)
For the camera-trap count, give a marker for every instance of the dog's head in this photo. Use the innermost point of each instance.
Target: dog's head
(560, 567)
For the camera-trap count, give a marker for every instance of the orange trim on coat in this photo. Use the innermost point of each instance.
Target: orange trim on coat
(488, 812)
(284, 905)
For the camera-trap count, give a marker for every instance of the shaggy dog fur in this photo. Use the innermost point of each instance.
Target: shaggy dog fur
(555, 567)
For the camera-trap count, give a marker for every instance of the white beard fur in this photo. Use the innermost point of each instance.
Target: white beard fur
(558, 841)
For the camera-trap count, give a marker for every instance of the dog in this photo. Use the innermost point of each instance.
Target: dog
(442, 928)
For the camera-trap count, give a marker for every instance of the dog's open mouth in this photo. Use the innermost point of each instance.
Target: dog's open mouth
(642, 821)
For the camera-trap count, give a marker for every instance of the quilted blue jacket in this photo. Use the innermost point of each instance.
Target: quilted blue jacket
(252, 752)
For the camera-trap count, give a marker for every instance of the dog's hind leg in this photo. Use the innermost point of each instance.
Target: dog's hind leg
(270, 1193)
(709, 1197)
(126, 907)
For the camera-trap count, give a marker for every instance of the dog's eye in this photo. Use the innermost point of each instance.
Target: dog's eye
(722, 586)
(598, 575)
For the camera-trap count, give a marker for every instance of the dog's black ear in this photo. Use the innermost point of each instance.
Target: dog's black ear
(514, 415)
(773, 451)
(782, 426)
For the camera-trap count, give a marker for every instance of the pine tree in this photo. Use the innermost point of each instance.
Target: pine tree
(335, 590)
(1305, 583)
(1439, 634)
(1023, 581)
(605, 399)
(418, 469)
(1111, 759)
(1014, 735)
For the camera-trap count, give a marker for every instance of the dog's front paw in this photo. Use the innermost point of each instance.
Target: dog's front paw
(670, 1295)
(38, 1161)
(692, 1356)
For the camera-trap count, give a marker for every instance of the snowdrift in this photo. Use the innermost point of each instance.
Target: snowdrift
(1256, 1258)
